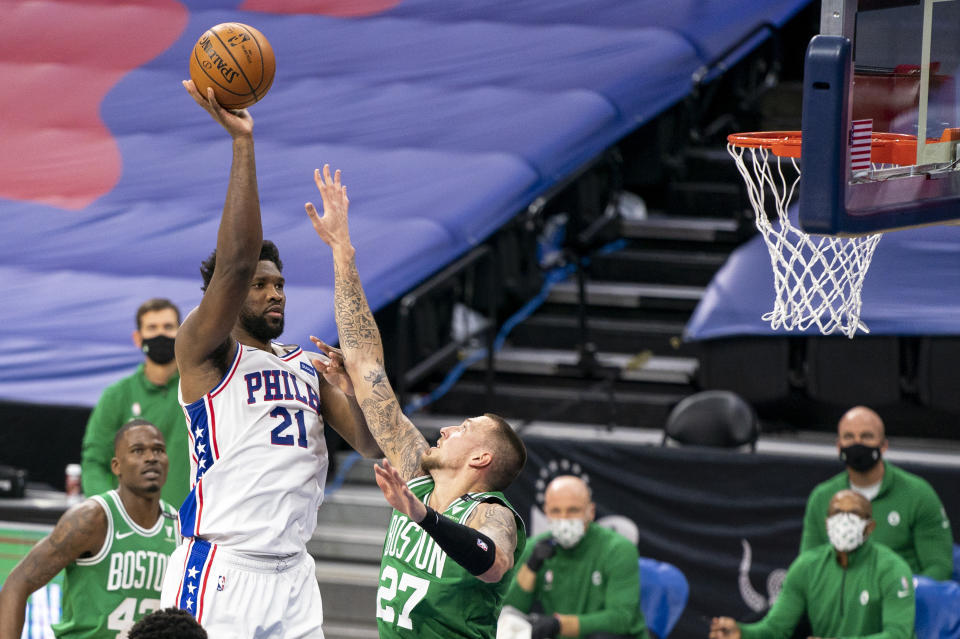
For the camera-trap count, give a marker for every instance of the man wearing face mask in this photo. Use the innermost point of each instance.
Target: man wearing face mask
(584, 576)
(910, 518)
(851, 587)
(149, 393)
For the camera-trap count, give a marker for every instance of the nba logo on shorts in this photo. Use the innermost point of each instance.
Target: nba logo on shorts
(221, 582)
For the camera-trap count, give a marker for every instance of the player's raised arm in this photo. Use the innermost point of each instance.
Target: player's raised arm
(360, 341)
(339, 402)
(80, 532)
(239, 240)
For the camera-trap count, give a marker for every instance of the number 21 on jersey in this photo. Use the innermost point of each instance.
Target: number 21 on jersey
(392, 583)
(279, 436)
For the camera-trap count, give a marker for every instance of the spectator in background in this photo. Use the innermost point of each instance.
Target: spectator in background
(585, 577)
(151, 394)
(114, 547)
(909, 516)
(169, 623)
(851, 587)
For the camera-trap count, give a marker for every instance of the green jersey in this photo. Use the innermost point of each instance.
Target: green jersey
(598, 580)
(873, 596)
(104, 595)
(136, 397)
(425, 594)
(911, 521)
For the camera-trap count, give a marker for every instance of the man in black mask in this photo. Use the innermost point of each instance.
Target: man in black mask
(149, 393)
(910, 518)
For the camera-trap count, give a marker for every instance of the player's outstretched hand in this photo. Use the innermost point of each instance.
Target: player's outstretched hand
(397, 493)
(724, 628)
(333, 370)
(237, 123)
(332, 226)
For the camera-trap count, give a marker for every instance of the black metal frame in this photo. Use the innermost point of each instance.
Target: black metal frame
(409, 373)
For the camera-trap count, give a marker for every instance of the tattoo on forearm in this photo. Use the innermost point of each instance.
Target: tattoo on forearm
(379, 383)
(497, 523)
(400, 441)
(358, 332)
(355, 322)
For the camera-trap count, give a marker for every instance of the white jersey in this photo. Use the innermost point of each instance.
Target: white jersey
(258, 456)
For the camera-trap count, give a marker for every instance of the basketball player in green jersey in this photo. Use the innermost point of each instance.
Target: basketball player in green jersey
(114, 547)
(453, 538)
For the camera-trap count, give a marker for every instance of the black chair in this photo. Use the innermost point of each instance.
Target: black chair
(713, 418)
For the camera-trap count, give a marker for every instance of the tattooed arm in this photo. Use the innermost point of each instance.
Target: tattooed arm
(489, 522)
(360, 342)
(81, 532)
(496, 522)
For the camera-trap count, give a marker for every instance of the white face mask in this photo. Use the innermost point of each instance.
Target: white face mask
(845, 531)
(567, 532)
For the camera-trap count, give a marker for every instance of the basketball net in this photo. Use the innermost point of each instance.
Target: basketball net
(817, 279)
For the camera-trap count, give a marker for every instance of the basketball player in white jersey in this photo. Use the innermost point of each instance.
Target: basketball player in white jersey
(255, 412)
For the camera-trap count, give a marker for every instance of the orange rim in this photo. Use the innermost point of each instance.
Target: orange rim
(885, 148)
(784, 144)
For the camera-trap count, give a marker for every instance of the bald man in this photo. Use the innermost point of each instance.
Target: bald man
(585, 577)
(910, 518)
(851, 587)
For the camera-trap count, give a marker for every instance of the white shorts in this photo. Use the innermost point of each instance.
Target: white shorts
(234, 595)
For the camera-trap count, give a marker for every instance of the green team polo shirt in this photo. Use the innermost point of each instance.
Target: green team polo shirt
(129, 398)
(872, 597)
(598, 580)
(424, 594)
(910, 520)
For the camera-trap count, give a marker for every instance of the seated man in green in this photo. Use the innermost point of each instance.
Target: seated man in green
(909, 516)
(851, 587)
(585, 577)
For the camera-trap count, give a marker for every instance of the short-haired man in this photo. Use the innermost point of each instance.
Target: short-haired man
(114, 547)
(910, 519)
(851, 587)
(149, 393)
(585, 576)
(447, 499)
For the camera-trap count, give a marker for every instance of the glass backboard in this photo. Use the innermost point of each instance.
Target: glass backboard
(890, 69)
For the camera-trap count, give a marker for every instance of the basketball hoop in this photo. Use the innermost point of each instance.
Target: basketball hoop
(817, 278)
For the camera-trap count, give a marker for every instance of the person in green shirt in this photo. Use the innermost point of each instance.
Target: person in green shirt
(114, 548)
(149, 393)
(453, 538)
(585, 576)
(910, 518)
(850, 587)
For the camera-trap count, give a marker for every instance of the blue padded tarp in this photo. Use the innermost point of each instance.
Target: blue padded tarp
(446, 119)
(912, 288)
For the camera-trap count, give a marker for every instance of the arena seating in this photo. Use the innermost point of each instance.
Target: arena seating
(446, 120)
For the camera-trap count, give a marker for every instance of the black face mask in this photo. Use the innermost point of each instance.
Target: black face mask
(159, 349)
(859, 457)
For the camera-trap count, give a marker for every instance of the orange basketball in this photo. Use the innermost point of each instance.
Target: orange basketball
(236, 60)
